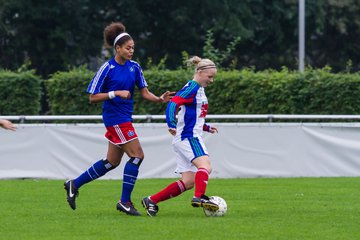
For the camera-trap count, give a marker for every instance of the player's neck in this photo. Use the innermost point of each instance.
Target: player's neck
(120, 60)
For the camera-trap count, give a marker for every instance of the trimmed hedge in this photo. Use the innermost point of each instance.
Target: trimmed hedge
(67, 93)
(275, 92)
(20, 93)
(317, 91)
(322, 92)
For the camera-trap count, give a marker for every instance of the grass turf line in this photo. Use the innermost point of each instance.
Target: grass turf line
(261, 208)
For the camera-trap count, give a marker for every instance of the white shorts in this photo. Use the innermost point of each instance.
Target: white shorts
(186, 151)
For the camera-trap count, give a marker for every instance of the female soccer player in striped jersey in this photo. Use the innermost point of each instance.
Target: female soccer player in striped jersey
(193, 162)
(114, 85)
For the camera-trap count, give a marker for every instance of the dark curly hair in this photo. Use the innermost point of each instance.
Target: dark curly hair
(111, 31)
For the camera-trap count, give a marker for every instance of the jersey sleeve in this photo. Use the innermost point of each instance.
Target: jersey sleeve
(184, 97)
(140, 79)
(171, 110)
(96, 83)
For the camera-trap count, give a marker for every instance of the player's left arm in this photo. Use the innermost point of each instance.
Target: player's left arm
(144, 91)
(164, 98)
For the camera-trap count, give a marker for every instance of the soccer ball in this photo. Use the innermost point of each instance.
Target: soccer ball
(222, 207)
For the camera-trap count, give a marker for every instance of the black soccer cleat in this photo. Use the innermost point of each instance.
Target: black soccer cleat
(205, 203)
(150, 207)
(127, 208)
(71, 193)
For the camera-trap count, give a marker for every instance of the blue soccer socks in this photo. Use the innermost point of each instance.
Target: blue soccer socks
(100, 168)
(131, 172)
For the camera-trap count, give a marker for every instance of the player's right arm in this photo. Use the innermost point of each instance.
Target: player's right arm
(95, 88)
(173, 106)
(183, 97)
(100, 97)
(171, 110)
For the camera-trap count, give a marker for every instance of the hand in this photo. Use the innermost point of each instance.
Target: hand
(7, 125)
(123, 94)
(213, 130)
(166, 96)
(172, 131)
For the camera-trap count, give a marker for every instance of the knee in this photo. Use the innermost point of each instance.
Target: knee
(135, 160)
(113, 163)
(137, 154)
(189, 184)
(208, 168)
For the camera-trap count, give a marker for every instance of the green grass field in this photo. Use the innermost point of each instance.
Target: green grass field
(262, 208)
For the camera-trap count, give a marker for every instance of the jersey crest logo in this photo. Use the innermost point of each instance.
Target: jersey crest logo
(131, 69)
(130, 133)
(112, 66)
(204, 109)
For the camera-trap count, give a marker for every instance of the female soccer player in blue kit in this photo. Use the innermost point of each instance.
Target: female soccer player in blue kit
(193, 162)
(114, 85)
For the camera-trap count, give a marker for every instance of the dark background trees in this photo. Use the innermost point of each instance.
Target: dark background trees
(53, 35)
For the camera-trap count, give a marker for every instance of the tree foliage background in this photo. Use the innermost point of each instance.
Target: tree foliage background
(56, 35)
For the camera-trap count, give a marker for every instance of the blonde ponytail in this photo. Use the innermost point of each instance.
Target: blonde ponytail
(200, 63)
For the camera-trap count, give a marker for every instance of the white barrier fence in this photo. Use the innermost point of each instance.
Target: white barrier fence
(268, 149)
(148, 118)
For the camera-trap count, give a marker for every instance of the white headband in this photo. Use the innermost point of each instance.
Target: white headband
(206, 67)
(120, 36)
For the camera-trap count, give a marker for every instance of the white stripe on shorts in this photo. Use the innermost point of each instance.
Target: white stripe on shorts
(119, 133)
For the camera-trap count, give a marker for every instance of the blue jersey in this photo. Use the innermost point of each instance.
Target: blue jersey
(111, 77)
(192, 104)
